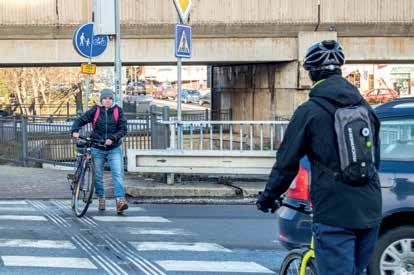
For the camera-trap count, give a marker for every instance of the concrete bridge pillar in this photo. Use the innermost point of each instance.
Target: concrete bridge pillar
(265, 91)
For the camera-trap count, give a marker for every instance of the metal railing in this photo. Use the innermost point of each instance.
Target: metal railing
(38, 140)
(64, 109)
(227, 135)
(11, 140)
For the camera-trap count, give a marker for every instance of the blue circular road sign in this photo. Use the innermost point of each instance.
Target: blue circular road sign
(87, 44)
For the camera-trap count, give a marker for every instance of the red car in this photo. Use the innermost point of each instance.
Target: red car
(380, 95)
(165, 91)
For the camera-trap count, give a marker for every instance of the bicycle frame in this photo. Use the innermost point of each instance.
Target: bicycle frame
(84, 157)
(310, 254)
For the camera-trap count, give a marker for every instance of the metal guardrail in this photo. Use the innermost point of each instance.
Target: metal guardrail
(226, 135)
(39, 140)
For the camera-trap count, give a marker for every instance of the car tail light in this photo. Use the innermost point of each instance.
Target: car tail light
(299, 189)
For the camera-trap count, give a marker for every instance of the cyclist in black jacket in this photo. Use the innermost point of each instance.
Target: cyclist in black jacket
(345, 217)
(109, 126)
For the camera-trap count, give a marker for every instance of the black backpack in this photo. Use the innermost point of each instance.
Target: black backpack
(354, 133)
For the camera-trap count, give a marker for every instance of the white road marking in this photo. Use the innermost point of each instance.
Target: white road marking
(22, 218)
(129, 219)
(36, 243)
(130, 209)
(149, 231)
(12, 202)
(212, 266)
(36, 261)
(16, 209)
(177, 246)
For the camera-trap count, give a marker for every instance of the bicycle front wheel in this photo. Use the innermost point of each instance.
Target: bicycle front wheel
(291, 264)
(84, 190)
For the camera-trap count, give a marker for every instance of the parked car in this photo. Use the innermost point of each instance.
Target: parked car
(3, 113)
(164, 91)
(380, 95)
(136, 88)
(190, 96)
(205, 99)
(395, 247)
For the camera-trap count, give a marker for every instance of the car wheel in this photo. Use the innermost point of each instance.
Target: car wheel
(394, 253)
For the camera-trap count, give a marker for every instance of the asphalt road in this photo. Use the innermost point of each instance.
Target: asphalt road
(43, 236)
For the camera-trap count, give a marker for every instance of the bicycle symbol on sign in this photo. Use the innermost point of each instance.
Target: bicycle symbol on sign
(99, 41)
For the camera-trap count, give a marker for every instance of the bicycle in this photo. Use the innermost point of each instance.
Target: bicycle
(299, 261)
(82, 181)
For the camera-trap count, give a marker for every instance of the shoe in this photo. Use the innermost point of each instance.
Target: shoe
(101, 204)
(121, 205)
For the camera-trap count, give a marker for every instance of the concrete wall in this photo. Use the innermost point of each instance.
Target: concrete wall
(258, 91)
(214, 18)
(209, 51)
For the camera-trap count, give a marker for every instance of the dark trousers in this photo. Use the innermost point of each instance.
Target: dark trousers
(342, 251)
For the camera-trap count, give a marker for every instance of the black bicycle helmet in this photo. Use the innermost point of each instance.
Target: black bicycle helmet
(325, 55)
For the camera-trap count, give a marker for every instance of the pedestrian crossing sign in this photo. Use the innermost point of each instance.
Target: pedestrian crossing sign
(182, 41)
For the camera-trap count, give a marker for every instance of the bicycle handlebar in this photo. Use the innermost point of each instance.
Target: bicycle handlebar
(82, 141)
(279, 203)
(301, 208)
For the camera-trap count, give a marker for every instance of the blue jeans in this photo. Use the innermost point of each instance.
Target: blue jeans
(116, 163)
(342, 251)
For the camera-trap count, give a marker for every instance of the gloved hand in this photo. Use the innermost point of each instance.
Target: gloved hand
(267, 201)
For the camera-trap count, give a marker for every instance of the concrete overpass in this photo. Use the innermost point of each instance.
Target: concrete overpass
(224, 31)
(270, 34)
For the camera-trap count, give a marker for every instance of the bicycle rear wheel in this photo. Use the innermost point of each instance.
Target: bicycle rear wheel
(291, 264)
(84, 190)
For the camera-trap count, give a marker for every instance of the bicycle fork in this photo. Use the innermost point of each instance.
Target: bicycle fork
(310, 254)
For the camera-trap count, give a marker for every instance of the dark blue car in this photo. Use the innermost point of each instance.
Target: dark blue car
(394, 253)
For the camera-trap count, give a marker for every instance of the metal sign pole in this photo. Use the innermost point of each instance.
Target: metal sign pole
(87, 84)
(88, 77)
(118, 64)
(183, 8)
(179, 89)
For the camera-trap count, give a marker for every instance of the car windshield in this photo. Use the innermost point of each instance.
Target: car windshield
(193, 93)
(397, 139)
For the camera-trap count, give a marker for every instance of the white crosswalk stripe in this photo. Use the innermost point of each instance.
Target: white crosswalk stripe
(3, 208)
(45, 247)
(130, 209)
(154, 231)
(38, 261)
(213, 266)
(176, 246)
(22, 218)
(148, 219)
(36, 243)
(171, 241)
(12, 202)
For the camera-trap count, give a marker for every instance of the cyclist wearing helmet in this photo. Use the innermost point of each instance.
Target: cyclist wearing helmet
(346, 213)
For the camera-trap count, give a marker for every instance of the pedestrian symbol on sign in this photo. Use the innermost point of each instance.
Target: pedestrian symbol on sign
(183, 44)
(183, 41)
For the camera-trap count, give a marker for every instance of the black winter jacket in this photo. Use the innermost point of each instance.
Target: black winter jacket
(105, 128)
(311, 132)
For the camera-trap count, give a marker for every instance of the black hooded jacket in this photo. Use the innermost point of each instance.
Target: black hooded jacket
(106, 127)
(311, 132)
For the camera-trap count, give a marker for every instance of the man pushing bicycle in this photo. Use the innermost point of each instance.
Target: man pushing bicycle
(338, 131)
